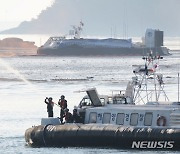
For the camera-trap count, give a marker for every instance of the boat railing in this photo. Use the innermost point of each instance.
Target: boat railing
(57, 38)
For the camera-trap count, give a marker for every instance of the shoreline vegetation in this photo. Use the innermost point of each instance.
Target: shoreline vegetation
(16, 47)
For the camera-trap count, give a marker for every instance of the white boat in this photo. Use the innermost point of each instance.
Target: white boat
(141, 117)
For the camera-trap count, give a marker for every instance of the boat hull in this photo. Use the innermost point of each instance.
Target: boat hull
(100, 51)
(90, 135)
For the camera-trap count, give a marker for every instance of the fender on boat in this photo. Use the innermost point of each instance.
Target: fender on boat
(104, 136)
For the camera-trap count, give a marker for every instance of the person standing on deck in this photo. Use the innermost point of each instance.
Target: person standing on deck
(63, 104)
(50, 105)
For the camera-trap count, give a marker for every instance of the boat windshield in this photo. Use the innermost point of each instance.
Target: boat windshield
(87, 102)
(119, 100)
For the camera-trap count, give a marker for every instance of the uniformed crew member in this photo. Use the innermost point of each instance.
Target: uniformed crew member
(63, 104)
(68, 116)
(50, 105)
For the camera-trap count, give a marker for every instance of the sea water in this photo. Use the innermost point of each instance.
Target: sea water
(25, 82)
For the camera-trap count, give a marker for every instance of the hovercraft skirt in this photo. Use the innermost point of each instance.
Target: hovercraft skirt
(104, 136)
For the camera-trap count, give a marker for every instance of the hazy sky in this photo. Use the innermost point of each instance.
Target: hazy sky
(12, 12)
(101, 17)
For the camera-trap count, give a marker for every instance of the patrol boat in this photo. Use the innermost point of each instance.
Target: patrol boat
(141, 117)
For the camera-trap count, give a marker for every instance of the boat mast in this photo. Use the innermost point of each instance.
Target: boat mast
(147, 74)
(155, 86)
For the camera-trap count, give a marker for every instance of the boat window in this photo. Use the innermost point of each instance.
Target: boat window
(120, 119)
(102, 100)
(119, 100)
(110, 101)
(129, 100)
(148, 119)
(134, 119)
(92, 117)
(106, 118)
(85, 102)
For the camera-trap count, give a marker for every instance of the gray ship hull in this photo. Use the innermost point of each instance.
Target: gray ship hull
(100, 51)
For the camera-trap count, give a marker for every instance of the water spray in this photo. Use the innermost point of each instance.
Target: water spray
(17, 73)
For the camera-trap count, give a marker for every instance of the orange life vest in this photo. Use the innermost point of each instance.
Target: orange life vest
(63, 104)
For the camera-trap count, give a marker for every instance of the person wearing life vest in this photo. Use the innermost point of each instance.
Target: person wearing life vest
(68, 116)
(63, 105)
(50, 105)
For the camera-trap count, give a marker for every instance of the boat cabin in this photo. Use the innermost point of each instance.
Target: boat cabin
(135, 115)
(119, 110)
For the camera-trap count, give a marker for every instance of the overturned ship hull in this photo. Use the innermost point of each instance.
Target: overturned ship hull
(101, 51)
(104, 136)
(60, 46)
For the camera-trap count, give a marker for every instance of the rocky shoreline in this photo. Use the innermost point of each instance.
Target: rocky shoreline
(16, 47)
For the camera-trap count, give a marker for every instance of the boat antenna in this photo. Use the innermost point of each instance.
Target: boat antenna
(77, 30)
(125, 21)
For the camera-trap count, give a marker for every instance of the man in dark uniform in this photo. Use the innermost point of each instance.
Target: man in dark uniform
(63, 104)
(50, 105)
(76, 116)
(68, 116)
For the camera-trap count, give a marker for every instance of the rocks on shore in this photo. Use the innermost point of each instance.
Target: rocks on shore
(16, 46)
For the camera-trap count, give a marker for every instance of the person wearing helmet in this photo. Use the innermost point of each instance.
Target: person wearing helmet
(68, 116)
(50, 105)
(63, 104)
